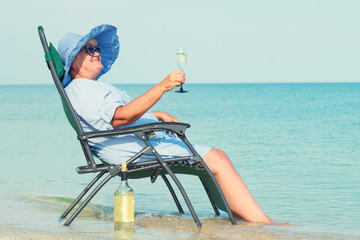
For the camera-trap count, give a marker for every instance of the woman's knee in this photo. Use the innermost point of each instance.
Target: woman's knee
(216, 158)
(220, 154)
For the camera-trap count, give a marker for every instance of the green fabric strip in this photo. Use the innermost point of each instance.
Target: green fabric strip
(48, 56)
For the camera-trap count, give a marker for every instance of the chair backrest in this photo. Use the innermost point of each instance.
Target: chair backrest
(56, 67)
(69, 112)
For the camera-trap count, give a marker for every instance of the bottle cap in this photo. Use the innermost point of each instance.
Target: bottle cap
(124, 167)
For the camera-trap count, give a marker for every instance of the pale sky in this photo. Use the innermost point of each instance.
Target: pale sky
(231, 41)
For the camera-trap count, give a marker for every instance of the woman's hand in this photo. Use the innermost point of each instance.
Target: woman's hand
(174, 79)
(165, 117)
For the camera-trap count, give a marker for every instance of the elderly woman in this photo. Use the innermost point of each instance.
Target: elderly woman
(104, 107)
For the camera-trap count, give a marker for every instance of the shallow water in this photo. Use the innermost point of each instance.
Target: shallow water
(295, 145)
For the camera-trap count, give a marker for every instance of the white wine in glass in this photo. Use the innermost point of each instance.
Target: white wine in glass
(181, 56)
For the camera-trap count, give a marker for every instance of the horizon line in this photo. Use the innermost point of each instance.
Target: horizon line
(209, 83)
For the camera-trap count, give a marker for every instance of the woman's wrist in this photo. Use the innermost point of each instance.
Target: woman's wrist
(162, 87)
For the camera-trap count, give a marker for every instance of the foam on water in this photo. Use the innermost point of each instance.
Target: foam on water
(96, 220)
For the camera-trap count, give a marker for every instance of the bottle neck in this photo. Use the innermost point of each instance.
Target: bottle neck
(123, 176)
(124, 186)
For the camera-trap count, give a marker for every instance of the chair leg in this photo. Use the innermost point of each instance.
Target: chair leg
(178, 205)
(210, 198)
(206, 168)
(183, 193)
(87, 200)
(77, 200)
(223, 199)
(144, 137)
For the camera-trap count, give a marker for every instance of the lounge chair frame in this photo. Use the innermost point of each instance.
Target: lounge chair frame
(158, 167)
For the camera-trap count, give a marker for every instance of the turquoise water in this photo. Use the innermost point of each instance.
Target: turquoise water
(295, 145)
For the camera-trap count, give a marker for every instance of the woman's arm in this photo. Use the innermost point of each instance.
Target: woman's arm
(129, 113)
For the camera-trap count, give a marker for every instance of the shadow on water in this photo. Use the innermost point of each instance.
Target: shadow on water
(96, 220)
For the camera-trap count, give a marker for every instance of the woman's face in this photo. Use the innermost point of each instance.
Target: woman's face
(87, 66)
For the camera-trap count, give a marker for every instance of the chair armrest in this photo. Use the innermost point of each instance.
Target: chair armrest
(178, 128)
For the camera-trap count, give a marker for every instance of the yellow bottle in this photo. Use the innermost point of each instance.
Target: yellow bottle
(124, 204)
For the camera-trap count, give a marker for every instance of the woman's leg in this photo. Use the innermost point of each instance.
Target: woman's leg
(236, 193)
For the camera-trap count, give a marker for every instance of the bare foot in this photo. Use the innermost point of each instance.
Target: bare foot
(279, 224)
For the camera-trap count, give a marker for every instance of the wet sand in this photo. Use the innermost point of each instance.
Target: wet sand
(10, 232)
(208, 231)
(39, 220)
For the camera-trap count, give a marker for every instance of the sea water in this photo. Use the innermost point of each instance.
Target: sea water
(295, 145)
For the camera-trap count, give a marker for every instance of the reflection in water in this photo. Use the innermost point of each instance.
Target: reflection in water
(123, 235)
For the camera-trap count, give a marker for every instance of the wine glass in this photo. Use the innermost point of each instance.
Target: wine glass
(181, 55)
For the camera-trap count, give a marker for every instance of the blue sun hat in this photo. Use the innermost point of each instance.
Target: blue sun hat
(71, 44)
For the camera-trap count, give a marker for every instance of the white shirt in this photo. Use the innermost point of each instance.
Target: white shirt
(95, 102)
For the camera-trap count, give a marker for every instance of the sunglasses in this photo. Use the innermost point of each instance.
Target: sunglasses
(91, 50)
